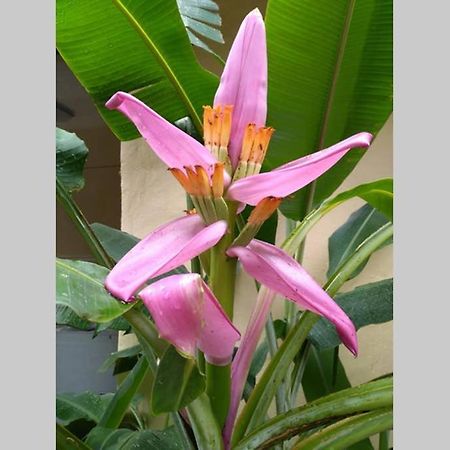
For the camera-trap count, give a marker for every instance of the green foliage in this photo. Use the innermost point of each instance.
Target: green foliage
(344, 433)
(358, 227)
(365, 397)
(202, 20)
(177, 383)
(79, 286)
(116, 242)
(87, 405)
(123, 439)
(71, 154)
(122, 360)
(368, 304)
(330, 76)
(136, 46)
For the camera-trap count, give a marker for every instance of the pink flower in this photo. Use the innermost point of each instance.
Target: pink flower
(189, 316)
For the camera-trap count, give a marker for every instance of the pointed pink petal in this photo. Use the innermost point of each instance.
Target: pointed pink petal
(292, 176)
(244, 80)
(244, 356)
(167, 247)
(218, 335)
(188, 315)
(174, 147)
(275, 269)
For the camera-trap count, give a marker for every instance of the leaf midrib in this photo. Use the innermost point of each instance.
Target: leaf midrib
(331, 94)
(159, 57)
(82, 274)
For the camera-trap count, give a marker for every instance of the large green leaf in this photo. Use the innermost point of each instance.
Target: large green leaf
(344, 241)
(71, 154)
(123, 439)
(341, 435)
(137, 46)
(116, 242)
(65, 440)
(330, 76)
(365, 305)
(89, 406)
(79, 285)
(202, 20)
(178, 382)
(66, 316)
(365, 397)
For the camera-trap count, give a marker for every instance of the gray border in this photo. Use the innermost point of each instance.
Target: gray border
(28, 225)
(422, 165)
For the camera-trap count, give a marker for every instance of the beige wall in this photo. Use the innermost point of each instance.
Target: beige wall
(150, 197)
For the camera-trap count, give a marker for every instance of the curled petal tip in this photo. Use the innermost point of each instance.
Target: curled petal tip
(366, 138)
(116, 100)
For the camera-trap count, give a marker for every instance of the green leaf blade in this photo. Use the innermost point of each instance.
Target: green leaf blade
(178, 382)
(86, 405)
(107, 54)
(336, 59)
(345, 240)
(79, 285)
(365, 305)
(71, 154)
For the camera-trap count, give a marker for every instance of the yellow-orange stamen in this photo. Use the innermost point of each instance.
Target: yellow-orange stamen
(217, 180)
(182, 179)
(259, 145)
(217, 127)
(208, 122)
(203, 181)
(193, 180)
(190, 212)
(225, 129)
(263, 210)
(247, 143)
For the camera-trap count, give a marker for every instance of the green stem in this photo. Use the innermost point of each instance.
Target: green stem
(206, 430)
(383, 442)
(222, 283)
(118, 406)
(223, 269)
(218, 385)
(82, 225)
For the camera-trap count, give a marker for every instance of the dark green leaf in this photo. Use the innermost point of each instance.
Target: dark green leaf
(319, 372)
(122, 398)
(116, 242)
(89, 406)
(344, 241)
(136, 46)
(126, 354)
(330, 76)
(365, 305)
(122, 439)
(71, 154)
(79, 285)
(66, 316)
(65, 440)
(343, 434)
(177, 383)
(201, 16)
(362, 398)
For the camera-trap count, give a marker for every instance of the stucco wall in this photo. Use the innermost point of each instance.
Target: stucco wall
(150, 197)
